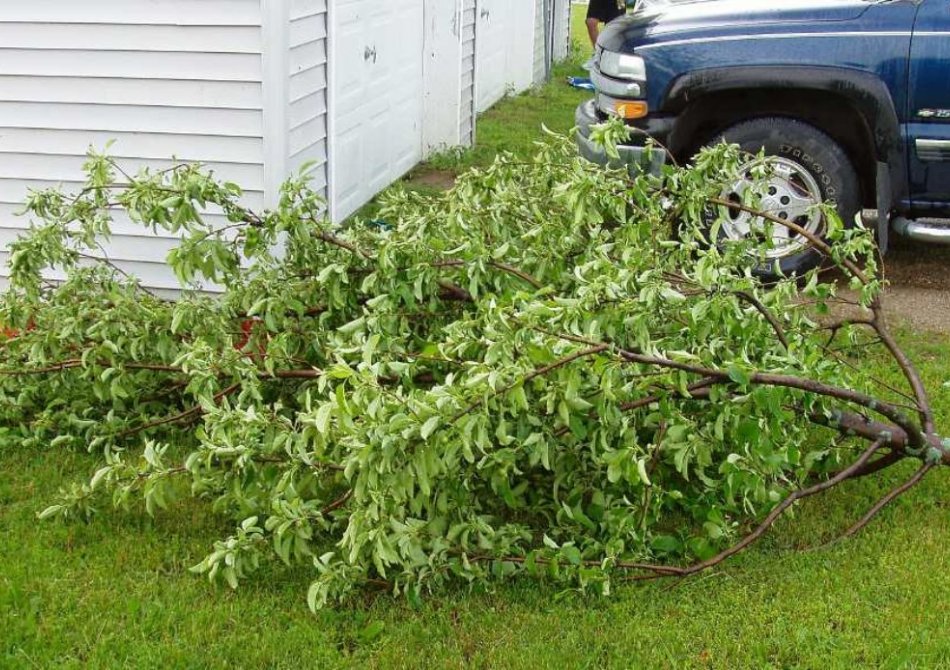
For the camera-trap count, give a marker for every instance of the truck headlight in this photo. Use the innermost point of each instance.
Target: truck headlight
(623, 66)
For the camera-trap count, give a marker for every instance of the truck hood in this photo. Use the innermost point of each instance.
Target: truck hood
(659, 20)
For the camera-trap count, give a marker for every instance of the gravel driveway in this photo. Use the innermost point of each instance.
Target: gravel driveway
(919, 293)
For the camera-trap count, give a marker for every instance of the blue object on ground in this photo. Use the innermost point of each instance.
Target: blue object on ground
(581, 82)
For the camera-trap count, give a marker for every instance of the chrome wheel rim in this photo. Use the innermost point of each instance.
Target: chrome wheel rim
(789, 192)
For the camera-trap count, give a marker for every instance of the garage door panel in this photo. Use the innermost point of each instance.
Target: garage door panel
(406, 151)
(377, 97)
(349, 43)
(491, 54)
(378, 141)
(407, 94)
(348, 178)
(504, 54)
(407, 52)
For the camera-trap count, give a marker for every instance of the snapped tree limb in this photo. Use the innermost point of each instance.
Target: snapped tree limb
(532, 373)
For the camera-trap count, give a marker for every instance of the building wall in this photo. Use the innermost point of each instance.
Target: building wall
(242, 86)
(167, 78)
(307, 90)
(562, 29)
(467, 109)
(505, 49)
(442, 75)
(541, 21)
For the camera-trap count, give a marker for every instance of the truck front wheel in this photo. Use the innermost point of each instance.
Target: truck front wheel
(805, 168)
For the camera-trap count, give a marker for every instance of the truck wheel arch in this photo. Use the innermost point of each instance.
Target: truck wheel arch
(865, 95)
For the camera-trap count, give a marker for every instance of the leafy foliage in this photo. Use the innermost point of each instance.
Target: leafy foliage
(530, 374)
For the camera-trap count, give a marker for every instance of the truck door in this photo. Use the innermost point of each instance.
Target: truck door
(928, 118)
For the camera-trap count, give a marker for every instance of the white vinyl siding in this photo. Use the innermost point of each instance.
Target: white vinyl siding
(552, 35)
(562, 29)
(175, 78)
(467, 116)
(307, 90)
(243, 86)
(540, 50)
(186, 13)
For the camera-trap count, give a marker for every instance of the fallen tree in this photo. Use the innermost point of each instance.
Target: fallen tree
(530, 374)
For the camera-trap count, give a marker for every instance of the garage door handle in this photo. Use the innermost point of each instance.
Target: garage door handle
(370, 53)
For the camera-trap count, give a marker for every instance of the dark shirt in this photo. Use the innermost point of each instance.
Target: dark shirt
(606, 10)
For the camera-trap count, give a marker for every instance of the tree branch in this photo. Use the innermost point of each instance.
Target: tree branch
(72, 364)
(540, 372)
(767, 314)
(504, 267)
(886, 500)
(788, 381)
(769, 520)
(338, 503)
(194, 412)
(909, 371)
(331, 239)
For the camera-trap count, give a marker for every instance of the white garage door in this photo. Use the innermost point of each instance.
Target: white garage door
(505, 49)
(376, 97)
(491, 51)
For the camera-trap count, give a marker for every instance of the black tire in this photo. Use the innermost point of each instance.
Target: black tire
(814, 152)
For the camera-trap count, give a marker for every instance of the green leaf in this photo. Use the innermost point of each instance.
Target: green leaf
(572, 554)
(738, 375)
(666, 544)
(51, 511)
(430, 426)
(322, 418)
(371, 632)
(642, 472)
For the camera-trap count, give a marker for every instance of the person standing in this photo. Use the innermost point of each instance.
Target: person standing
(602, 11)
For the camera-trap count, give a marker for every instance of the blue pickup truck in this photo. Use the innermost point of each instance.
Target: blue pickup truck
(850, 99)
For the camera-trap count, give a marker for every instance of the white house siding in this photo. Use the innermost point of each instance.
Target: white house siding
(467, 115)
(442, 75)
(552, 36)
(540, 48)
(172, 78)
(247, 88)
(513, 51)
(562, 28)
(307, 119)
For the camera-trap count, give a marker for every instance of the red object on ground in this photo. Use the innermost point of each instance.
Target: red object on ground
(247, 331)
(13, 333)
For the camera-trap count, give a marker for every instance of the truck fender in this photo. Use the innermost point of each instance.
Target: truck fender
(864, 90)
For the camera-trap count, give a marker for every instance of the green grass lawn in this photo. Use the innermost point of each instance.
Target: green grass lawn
(117, 593)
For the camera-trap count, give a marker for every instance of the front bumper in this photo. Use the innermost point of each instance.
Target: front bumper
(636, 158)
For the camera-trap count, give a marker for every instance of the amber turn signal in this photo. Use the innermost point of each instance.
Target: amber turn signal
(631, 109)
